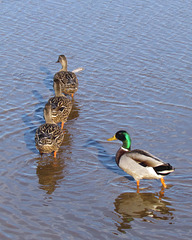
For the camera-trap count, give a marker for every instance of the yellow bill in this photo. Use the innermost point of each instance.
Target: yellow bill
(111, 139)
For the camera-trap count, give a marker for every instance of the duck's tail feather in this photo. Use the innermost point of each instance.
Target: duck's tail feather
(164, 169)
(78, 70)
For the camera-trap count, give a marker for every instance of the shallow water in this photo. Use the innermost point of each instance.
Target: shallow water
(137, 59)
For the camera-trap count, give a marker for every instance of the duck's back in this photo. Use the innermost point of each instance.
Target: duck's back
(61, 107)
(68, 80)
(48, 138)
(141, 164)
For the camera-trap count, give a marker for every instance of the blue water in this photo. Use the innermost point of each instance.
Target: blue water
(137, 59)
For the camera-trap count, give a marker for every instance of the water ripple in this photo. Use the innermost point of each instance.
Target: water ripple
(137, 77)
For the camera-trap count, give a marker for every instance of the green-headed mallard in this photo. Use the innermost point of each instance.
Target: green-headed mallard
(139, 163)
(69, 82)
(49, 136)
(60, 105)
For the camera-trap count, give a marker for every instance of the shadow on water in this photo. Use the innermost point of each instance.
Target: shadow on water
(48, 80)
(29, 134)
(38, 113)
(29, 120)
(107, 160)
(146, 206)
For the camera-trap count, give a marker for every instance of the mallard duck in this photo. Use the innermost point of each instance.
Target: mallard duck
(60, 105)
(69, 81)
(49, 136)
(139, 163)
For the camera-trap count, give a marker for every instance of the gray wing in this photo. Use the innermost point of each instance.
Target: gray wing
(145, 158)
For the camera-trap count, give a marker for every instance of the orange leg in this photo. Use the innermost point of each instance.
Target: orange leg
(55, 154)
(163, 183)
(72, 95)
(138, 186)
(62, 124)
(138, 183)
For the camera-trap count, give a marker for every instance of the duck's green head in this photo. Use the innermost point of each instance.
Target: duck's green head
(124, 137)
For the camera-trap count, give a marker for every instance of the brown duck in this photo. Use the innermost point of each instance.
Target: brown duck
(60, 105)
(68, 80)
(49, 136)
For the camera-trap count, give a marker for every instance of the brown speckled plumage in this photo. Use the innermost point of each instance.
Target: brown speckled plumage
(60, 105)
(60, 108)
(49, 136)
(68, 80)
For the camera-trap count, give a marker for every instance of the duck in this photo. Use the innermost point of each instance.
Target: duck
(140, 164)
(69, 81)
(60, 105)
(49, 136)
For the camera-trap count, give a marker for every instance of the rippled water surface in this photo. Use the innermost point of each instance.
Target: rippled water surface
(138, 73)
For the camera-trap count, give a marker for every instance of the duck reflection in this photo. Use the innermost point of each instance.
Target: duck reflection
(52, 171)
(146, 206)
(49, 175)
